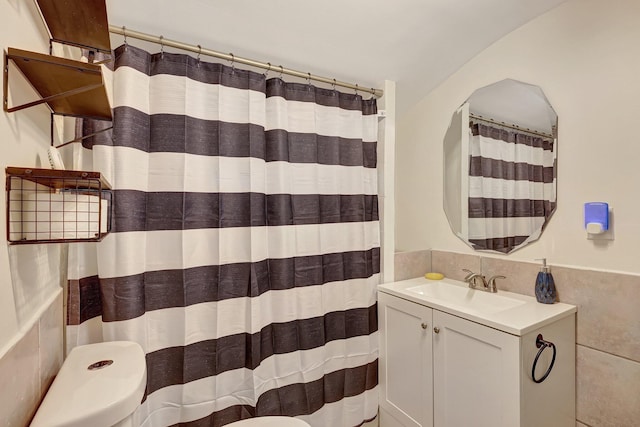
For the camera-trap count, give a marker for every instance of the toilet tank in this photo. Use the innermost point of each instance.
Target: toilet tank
(98, 385)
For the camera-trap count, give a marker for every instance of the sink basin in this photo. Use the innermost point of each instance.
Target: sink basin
(465, 297)
(506, 311)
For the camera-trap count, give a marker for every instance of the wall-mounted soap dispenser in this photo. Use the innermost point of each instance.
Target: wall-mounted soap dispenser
(545, 286)
(596, 217)
(598, 221)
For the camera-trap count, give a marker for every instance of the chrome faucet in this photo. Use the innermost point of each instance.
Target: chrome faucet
(473, 278)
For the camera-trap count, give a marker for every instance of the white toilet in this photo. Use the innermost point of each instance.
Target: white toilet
(269, 422)
(98, 385)
(103, 385)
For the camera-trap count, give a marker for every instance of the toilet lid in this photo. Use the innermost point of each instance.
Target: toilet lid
(270, 422)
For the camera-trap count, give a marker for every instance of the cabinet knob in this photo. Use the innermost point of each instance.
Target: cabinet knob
(436, 330)
(424, 326)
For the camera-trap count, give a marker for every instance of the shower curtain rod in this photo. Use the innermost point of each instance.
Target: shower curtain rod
(516, 127)
(123, 31)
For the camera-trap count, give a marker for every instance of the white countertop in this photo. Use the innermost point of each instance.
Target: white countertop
(512, 313)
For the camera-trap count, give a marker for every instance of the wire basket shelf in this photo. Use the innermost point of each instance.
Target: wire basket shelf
(57, 206)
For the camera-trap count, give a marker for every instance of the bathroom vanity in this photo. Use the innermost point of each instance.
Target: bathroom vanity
(451, 356)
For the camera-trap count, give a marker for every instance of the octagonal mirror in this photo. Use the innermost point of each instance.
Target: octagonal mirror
(500, 166)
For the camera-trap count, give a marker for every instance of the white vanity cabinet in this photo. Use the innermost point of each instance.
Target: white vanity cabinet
(405, 361)
(475, 374)
(440, 369)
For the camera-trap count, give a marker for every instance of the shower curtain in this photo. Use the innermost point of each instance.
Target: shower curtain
(511, 191)
(245, 252)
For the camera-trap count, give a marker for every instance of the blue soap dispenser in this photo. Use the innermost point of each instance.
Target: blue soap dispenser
(545, 287)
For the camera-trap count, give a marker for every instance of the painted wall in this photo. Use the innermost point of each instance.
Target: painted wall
(30, 276)
(584, 55)
(31, 297)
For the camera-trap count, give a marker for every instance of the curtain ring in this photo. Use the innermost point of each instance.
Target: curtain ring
(309, 80)
(124, 33)
(199, 53)
(356, 89)
(233, 61)
(268, 69)
(281, 71)
(373, 93)
(161, 47)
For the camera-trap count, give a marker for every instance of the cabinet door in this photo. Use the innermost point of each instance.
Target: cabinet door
(406, 381)
(475, 374)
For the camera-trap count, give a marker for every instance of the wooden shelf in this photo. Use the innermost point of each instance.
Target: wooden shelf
(68, 87)
(81, 23)
(56, 206)
(58, 179)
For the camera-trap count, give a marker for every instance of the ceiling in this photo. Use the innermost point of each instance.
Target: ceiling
(416, 43)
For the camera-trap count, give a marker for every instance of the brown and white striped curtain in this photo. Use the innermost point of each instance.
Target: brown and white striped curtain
(244, 256)
(511, 187)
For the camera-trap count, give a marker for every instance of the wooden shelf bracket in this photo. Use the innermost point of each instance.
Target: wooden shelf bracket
(68, 87)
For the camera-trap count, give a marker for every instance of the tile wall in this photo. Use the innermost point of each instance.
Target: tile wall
(608, 326)
(29, 366)
(411, 264)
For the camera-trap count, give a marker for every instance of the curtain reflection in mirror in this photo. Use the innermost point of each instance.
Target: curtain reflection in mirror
(511, 186)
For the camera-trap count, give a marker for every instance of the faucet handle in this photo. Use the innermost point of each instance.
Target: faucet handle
(492, 283)
(468, 276)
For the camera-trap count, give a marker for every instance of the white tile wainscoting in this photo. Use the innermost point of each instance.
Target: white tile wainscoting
(28, 367)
